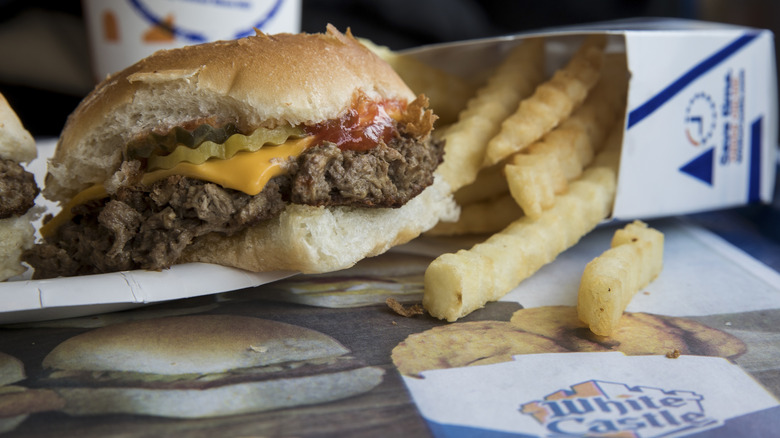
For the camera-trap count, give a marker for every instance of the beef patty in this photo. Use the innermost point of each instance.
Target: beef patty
(142, 227)
(17, 189)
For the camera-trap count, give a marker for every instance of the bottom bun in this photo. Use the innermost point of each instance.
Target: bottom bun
(319, 239)
(232, 399)
(16, 236)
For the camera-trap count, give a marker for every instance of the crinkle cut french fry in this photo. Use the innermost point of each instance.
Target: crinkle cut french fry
(576, 140)
(569, 146)
(536, 177)
(538, 173)
(480, 217)
(457, 284)
(610, 281)
(543, 170)
(466, 140)
(534, 180)
(551, 103)
(605, 103)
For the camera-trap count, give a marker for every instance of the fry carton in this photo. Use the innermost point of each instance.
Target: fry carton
(700, 126)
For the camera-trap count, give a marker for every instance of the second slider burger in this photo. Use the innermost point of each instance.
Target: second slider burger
(301, 152)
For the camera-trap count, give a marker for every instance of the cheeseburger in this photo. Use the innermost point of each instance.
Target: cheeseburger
(301, 152)
(18, 191)
(202, 366)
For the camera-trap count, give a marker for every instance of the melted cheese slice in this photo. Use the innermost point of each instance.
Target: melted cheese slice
(247, 172)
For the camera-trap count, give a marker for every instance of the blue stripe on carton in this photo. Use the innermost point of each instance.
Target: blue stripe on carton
(441, 430)
(754, 174)
(655, 102)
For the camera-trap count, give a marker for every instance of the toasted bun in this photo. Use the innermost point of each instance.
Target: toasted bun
(263, 80)
(16, 143)
(190, 344)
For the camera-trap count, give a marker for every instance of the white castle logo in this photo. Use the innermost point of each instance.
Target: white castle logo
(605, 409)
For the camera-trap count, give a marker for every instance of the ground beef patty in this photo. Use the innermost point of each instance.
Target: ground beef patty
(383, 177)
(149, 227)
(17, 189)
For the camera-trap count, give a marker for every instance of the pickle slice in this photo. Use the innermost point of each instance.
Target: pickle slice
(211, 149)
(163, 144)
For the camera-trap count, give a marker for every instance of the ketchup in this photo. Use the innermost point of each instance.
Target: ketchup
(367, 123)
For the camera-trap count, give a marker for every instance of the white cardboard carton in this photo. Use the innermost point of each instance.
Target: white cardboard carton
(701, 124)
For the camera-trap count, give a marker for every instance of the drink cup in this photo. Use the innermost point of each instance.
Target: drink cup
(122, 32)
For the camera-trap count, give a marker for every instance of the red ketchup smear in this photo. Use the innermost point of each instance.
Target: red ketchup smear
(365, 125)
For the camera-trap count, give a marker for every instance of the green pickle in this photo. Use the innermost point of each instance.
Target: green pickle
(163, 144)
(235, 143)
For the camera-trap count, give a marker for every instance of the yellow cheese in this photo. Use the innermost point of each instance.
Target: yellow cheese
(247, 172)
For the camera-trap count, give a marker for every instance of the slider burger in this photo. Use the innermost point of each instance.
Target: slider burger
(18, 191)
(18, 402)
(301, 152)
(202, 366)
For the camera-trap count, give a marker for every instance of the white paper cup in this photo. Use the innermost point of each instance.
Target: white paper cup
(123, 31)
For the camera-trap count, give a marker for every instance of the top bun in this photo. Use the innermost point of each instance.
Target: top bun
(191, 344)
(262, 80)
(16, 143)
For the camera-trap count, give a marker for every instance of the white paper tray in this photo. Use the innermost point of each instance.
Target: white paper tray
(37, 300)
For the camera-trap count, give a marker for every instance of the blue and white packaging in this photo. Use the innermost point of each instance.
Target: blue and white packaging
(701, 117)
(595, 395)
(701, 131)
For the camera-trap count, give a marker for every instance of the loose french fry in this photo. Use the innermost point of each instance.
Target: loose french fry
(533, 181)
(457, 284)
(490, 184)
(551, 103)
(466, 140)
(480, 217)
(447, 93)
(610, 281)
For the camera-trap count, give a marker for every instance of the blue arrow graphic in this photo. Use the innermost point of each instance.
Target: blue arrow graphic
(701, 166)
